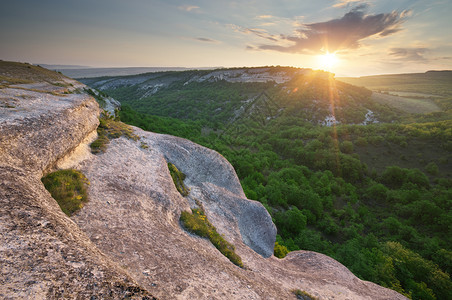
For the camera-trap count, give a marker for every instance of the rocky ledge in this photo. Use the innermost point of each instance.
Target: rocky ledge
(127, 242)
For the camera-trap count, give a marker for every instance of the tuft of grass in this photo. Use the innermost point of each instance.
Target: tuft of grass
(108, 129)
(197, 223)
(178, 179)
(303, 295)
(144, 145)
(68, 188)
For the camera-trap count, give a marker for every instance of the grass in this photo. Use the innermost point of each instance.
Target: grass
(178, 179)
(5, 81)
(108, 129)
(434, 83)
(68, 188)
(143, 145)
(17, 73)
(409, 105)
(303, 295)
(197, 223)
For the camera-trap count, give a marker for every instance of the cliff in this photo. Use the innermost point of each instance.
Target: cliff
(127, 241)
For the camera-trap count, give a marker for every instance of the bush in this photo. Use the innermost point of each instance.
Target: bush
(361, 141)
(68, 188)
(432, 168)
(280, 251)
(347, 147)
(290, 222)
(197, 223)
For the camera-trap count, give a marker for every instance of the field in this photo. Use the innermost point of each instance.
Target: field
(407, 104)
(438, 83)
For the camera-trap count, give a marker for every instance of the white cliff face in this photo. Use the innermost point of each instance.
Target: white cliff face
(127, 241)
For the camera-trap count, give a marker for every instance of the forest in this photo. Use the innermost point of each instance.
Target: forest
(372, 188)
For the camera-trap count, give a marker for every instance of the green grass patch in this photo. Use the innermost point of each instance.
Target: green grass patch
(68, 188)
(108, 129)
(303, 295)
(197, 223)
(178, 179)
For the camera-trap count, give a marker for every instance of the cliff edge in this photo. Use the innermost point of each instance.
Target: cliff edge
(127, 242)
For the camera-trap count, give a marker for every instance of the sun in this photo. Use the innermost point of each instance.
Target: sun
(327, 61)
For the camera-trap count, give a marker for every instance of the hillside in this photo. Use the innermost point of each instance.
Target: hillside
(127, 240)
(367, 182)
(417, 93)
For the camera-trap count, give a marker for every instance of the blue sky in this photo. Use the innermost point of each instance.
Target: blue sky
(367, 37)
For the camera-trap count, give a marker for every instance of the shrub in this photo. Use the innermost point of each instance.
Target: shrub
(197, 223)
(361, 141)
(290, 222)
(432, 168)
(347, 147)
(68, 188)
(280, 251)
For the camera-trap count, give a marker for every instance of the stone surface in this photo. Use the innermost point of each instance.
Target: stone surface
(214, 182)
(127, 241)
(44, 254)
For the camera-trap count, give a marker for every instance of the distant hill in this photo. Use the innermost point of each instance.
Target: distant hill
(431, 82)
(224, 95)
(88, 72)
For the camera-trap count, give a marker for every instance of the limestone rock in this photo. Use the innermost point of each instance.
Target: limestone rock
(214, 182)
(43, 254)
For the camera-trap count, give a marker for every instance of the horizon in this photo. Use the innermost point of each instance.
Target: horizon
(182, 69)
(350, 38)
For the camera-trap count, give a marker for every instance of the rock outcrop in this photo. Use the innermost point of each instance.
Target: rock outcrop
(128, 241)
(44, 254)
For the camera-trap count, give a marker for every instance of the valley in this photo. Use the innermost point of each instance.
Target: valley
(376, 197)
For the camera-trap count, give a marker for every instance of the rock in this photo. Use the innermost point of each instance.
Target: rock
(43, 254)
(222, 195)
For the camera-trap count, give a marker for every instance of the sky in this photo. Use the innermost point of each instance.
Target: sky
(366, 37)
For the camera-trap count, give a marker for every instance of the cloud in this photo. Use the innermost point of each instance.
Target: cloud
(342, 3)
(409, 54)
(206, 40)
(262, 33)
(264, 17)
(344, 33)
(188, 7)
